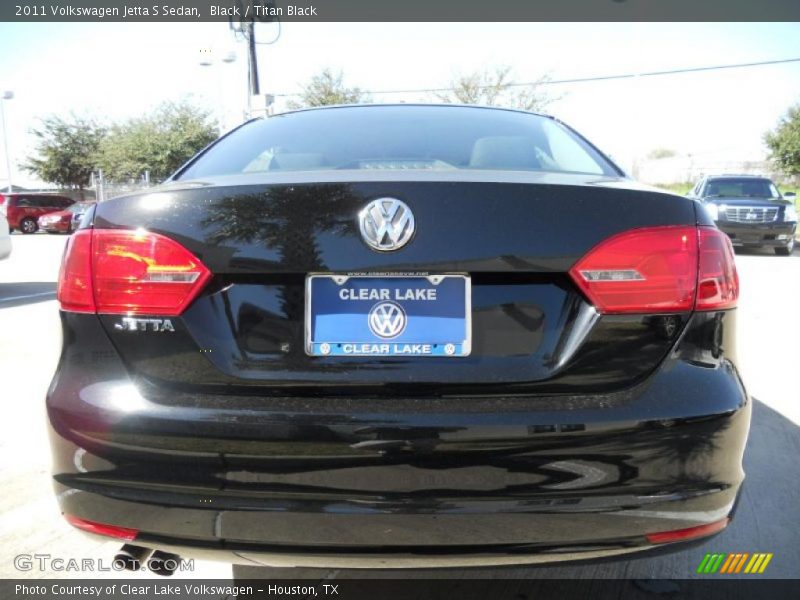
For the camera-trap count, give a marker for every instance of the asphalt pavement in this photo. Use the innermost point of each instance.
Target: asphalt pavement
(767, 518)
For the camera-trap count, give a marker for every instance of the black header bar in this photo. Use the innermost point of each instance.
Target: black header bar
(398, 10)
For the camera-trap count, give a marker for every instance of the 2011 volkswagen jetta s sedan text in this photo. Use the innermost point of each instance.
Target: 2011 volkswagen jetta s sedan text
(399, 336)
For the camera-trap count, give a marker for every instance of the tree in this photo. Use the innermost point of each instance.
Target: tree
(659, 153)
(159, 143)
(784, 142)
(65, 151)
(496, 88)
(327, 88)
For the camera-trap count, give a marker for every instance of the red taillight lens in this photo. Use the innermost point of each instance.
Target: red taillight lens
(121, 533)
(680, 535)
(144, 273)
(130, 272)
(75, 278)
(641, 271)
(718, 281)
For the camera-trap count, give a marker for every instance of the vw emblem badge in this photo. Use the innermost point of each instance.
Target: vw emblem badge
(387, 320)
(386, 224)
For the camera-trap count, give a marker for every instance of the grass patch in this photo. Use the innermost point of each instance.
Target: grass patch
(796, 199)
(797, 204)
(676, 188)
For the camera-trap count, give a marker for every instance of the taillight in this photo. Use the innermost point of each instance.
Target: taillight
(718, 281)
(121, 533)
(660, 269)
(75, 278)
(690, 533)
(114, 271)
(641, 271)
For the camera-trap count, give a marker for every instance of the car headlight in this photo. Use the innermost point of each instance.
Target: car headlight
(790, 213)
(712, 210)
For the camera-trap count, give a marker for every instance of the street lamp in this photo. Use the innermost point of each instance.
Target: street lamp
(7, 95)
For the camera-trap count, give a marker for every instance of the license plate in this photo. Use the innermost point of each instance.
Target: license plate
(388, 315)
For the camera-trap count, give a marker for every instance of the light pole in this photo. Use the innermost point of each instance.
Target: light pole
(7, 95)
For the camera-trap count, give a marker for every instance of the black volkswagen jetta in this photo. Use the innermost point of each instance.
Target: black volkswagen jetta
(398, 336)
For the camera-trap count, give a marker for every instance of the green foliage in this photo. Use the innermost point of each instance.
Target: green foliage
(495, 88)
(327, 88)
(65, 151)
(159, 142)
(680, 188)
(784, 142)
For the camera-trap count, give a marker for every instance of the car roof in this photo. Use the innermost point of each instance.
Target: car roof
(413, 105)
(44, 194)
(734, 176)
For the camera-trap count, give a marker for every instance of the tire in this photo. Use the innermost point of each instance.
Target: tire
(28, 225)
(785, 250)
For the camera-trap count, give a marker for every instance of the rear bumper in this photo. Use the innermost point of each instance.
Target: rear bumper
(401, 482)
(406, 558)
(772, 235)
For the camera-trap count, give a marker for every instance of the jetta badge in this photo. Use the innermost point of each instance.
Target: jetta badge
(386, 224)
(133, 324)
(387, 319)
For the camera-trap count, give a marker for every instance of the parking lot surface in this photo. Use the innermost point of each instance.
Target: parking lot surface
(766, 521)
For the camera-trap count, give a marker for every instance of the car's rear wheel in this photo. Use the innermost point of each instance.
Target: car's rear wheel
(785, 250)
(28, 225)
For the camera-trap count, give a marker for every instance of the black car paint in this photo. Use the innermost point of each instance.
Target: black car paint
(762, 235)
(219, 438)
(260, 249)
(367, 474)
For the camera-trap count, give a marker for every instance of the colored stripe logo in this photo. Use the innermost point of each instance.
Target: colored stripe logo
(737, 562)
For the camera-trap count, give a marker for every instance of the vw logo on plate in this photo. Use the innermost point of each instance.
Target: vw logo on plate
(387, 319)
(386, 224)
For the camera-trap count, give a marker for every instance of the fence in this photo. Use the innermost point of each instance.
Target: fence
(685, 169)
(105, 189)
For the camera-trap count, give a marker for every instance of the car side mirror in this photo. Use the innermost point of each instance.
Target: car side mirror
(790, 195)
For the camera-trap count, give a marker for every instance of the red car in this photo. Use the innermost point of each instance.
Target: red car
(24, 209)
(64, 221)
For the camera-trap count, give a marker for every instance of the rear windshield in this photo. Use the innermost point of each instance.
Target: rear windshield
(747, 188)
(401, 138)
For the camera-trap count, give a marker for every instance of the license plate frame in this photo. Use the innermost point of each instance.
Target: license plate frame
(321, 341)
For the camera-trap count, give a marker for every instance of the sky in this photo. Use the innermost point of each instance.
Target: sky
(114, 71)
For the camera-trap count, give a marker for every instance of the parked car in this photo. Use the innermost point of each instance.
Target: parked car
(5, 237)
(751, 210)
(398, 336)
(64, 221)
(24, 209)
